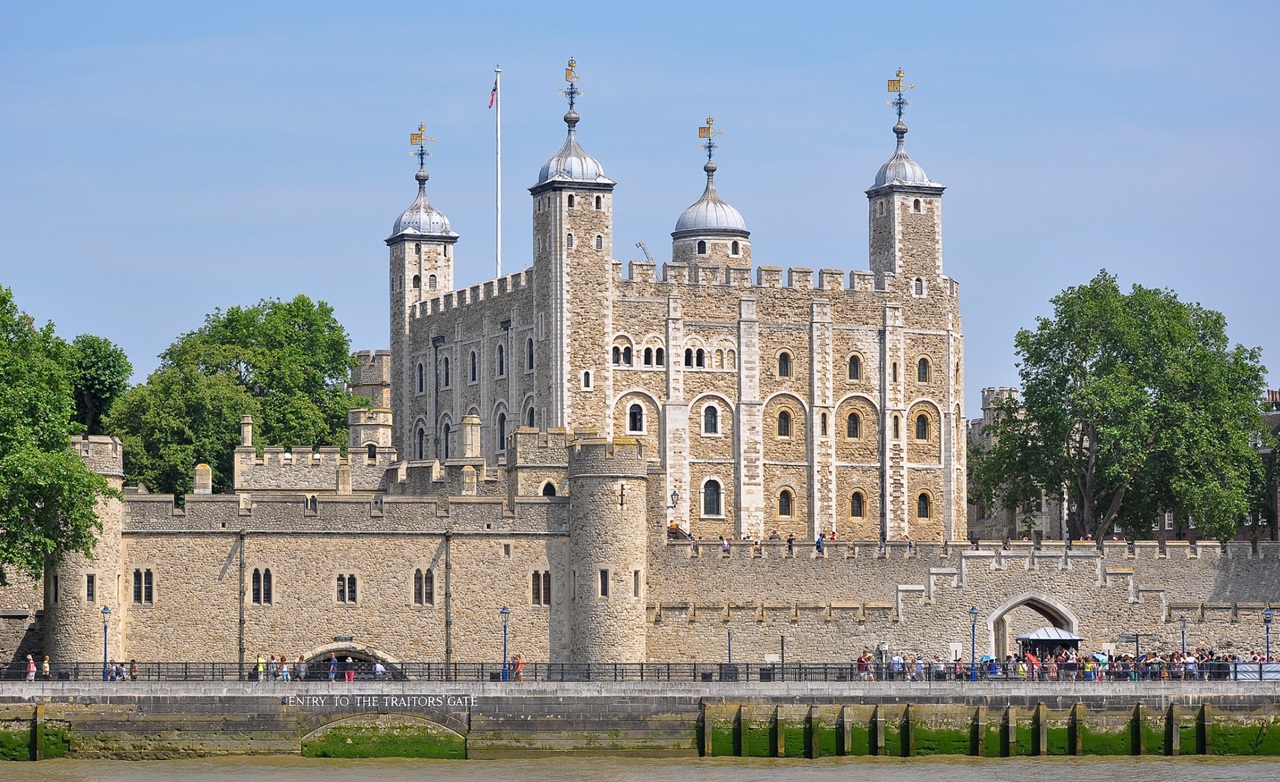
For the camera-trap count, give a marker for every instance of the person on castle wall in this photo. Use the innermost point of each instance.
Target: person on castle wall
(300, 669)
(724, 545)
(333, 667)
(774, 535)
(44, 667)
(379, 670)
(693, 545)
(273, 672)
(284, 668)
(820, 542)
(671, 530)
(349, 670)
(517, 668)
(260, 668)
(31, 668)
(133, 670)
(791, 545)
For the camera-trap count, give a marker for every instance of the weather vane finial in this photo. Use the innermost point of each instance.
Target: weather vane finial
(571, 77)
(420, 140)
(709, 133)
(899, 102)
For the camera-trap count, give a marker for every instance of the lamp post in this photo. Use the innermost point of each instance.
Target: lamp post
(106, 614)
(1266, 624)
(505, 613)
(1183, 620)
(973, 643)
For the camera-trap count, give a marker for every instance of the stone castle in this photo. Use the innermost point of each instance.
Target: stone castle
(550, 440)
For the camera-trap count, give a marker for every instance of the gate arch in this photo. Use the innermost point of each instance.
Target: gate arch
(1052, 610)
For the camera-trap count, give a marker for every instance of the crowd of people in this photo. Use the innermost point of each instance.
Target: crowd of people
(273, 669)
(1062, 665)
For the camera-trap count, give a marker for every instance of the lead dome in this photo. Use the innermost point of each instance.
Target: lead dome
(421, 217)
(710, 213)
(901, 169)
(572, 163)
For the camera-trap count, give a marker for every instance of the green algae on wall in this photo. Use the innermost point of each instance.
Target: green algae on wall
(385, 741)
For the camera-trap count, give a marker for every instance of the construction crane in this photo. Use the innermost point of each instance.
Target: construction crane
(648, 256)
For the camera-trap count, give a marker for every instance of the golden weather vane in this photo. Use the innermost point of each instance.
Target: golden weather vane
(420, 140)
(571, 77)
(899, 102)
(709, 133)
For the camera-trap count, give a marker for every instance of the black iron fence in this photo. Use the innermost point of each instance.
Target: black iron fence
(888, 673)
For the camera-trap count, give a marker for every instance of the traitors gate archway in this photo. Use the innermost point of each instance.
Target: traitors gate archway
(1001, 629)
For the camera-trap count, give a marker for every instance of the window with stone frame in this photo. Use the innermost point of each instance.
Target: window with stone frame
(922, 370)
(855, 367)
(856, 501)
(262, 587)
(784, 364)
(785, 502)
(784, 423)
(712, 498)
(424, 587)
(711, 420)
(923, 506)
(540, 588)
(853, 426)
(143, 586)
(922, 427)
(635, 418)
(346, 591)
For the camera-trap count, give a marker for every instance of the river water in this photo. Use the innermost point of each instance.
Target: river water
(588, 769)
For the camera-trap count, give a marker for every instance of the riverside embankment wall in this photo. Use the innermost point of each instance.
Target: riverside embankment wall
(137, 720)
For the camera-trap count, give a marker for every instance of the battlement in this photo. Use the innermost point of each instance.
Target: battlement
(101, 453)
(593, 455)
(373, 367)
(324, 469)
(491, 289)
(993, 394)
(796, 277)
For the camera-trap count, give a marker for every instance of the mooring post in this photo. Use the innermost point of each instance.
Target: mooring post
(846, 735)
(1075, 730)
(978, 743)
(1009, 734)
(1172, 736)
(1138, 745)
(908, 732)
(1040, 736)
(1204, 731)
(877, 730)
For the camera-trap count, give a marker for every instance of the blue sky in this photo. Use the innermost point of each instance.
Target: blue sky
(160, 160)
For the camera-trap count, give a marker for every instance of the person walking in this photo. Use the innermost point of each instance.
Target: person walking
(333, 666)
(260, 669)
(31, 668)
(300, 670)
(44, 667)
(349, 670)
(284, 668)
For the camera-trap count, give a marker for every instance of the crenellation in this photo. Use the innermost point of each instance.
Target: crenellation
(800, 277)
(768, 277)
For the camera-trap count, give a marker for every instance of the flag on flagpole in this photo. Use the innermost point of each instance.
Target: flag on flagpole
(493, 95)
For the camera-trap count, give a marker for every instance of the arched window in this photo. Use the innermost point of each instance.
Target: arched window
(568, 241)
(711, 498)
(922, 427)
(897, 429)
(424, 587)
(922, 506)
(919, 286)
(432, 282)
(784, 503)
(710, 420)
(444, 372)
(528, 417)
(635, 418)
(895, 371)
(855, 505)
(421, 450)
(626, 355)
(599, 242)
(422, 379)
(599, 202)
(700, 357)
(688, 357)
(784, 364)
(444, 438)
(784, 424)
(371, 451)
(473, 374)
(648, 357)
(417, 281)
(548, 489)
(853, 426)
(502, 361)
(262, 587)
(916, 206)
(702, 247)
(617, 355)
(417, 249)
(734, 247)
(528, 354)
(823, 425)
(660, 357)
(502, 431)
(922, 370)
(571, 201)
(586, 380)
(855, 368)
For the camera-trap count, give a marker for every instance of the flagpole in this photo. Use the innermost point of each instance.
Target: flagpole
(497, 104)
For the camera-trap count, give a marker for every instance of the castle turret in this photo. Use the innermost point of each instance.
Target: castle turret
(608, 550)
(573, 274)
(711, 231)
(78, 588)
(421, 244)
(905, 216)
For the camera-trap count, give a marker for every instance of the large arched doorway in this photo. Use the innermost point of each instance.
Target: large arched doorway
(319, 661)
(1022, 614)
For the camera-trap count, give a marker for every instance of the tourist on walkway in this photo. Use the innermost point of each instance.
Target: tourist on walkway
(333, 666)
(44, 667)
(349, 670)
(31, 668)
(300, 670)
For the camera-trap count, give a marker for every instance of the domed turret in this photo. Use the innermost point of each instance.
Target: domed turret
(710, 229)
(901, 169)
(572, 163)
(421, 218)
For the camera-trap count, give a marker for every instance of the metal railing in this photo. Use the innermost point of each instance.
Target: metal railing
(703, 672)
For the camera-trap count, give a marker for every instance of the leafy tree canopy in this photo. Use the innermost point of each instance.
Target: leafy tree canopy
(101, 373)
(1138, 405)
(47, 494)
(284, 363)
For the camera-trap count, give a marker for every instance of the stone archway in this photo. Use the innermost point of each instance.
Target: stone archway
(363, 656)
(1017, 614)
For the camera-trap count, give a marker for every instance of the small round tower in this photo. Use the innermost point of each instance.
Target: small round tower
(77, 589)
(607, 550)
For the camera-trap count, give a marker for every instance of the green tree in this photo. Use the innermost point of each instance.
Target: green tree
(101, 373)
(47, 494)
(1137, 404)
(284, 363)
